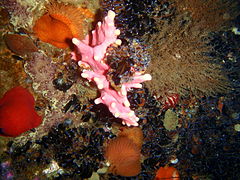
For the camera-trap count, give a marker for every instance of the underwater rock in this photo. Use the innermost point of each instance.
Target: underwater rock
(170, 120)
(43, 71)
(19, 14)
(136, 19)
(19, 44)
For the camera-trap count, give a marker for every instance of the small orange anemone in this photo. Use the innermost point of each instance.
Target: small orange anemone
(60, 24)
(167, 172)
(124, 157)
(133, 133)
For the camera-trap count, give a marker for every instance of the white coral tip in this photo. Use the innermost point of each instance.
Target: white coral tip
(138, 85)
(100, 86)
(131, 113)
(96, 79)
(96, 58)
(135, 124)
(147, 77)
(118, 42)
(75, 41)
(113, 105)
(124, 92)
(116, 114)
(117, 32)
(97, 101)
(84, 75)
(126, 103)
(111, 14)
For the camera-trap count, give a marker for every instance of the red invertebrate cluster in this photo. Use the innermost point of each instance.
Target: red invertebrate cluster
(167, 172)
(170, 100)
(17, 113)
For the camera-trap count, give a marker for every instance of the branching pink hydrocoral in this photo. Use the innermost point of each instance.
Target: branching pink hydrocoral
(92, 51)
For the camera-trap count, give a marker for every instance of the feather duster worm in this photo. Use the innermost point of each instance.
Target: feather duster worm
(17, 113)
(60, 24)
(124, 157)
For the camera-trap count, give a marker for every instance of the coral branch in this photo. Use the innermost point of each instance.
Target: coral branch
(92, 51)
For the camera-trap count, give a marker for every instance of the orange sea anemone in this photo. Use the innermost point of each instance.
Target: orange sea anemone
(167, 172)
(61, 23)
(133, 133)
(124, 157)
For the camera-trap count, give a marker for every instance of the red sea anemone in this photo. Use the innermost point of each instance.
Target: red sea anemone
(123, 156)
(17, 112)
(167, 172)
(60, 24)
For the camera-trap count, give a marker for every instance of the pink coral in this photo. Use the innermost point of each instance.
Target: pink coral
(92, 51)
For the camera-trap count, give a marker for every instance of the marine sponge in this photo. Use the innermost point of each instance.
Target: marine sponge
(61, 23)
